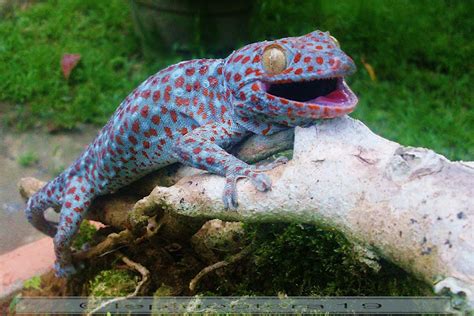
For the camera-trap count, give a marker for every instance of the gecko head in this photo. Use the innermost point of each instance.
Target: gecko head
(294, 80)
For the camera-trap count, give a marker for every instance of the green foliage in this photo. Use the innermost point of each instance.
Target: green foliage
(393, 34)
(14, 301)
(33, 283)
(421, 52)
(309, 260)
(33, 42)
(28, 159)
(164, 290)
(85, 235)
(113, 283)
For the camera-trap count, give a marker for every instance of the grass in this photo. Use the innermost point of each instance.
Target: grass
(421, 52)
(28, 158)
(32, 44)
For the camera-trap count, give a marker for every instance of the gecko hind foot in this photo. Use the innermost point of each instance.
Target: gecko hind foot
(64, 270)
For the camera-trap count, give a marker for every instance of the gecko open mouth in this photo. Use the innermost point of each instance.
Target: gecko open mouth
(330, 91)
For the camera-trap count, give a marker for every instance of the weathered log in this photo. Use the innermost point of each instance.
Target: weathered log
(409, 205)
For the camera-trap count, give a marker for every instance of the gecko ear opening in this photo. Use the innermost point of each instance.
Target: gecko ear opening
(274, 59)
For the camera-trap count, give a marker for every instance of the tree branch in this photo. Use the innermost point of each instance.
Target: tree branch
(409, 205)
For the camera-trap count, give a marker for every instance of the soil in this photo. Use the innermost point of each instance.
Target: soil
(50, 153)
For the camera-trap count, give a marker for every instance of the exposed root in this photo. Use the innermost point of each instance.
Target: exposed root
(115, 241)
(232, 259)
(109, 244)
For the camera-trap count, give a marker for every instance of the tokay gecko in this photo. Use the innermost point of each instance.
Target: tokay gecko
(191, 112)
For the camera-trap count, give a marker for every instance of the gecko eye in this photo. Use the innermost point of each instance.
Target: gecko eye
(335, 41)
(274, 59)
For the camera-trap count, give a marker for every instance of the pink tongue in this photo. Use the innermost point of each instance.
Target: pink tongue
(337, 96)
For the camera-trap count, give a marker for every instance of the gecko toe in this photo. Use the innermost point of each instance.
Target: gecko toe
(230, 193)
(269, 166)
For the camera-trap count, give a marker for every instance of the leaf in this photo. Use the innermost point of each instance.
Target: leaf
(68, 63)
(370, 69)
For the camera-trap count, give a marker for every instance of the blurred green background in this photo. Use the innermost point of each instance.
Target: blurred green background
(421, 53)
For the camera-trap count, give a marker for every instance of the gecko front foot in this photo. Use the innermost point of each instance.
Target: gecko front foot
(260, 180)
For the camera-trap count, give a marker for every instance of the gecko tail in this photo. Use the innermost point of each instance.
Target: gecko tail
(42, 200)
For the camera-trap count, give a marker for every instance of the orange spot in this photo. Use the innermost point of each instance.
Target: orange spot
(174, 116)
(168, 132)
(297, 57)
(155, 119)
(265, 131)
(290, 112)
(326, 111)
(201, 109)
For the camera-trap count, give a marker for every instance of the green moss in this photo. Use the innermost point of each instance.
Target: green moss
(113, 283)
(33, 283)
(85, 235)
(164, 290)
(310, 260)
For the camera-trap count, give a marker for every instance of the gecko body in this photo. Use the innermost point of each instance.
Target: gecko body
(191, 112)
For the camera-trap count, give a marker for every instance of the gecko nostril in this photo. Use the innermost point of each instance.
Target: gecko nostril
(335, 63)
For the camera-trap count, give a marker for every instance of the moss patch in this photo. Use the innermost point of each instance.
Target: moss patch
(113, 283)
(33, 283)
(309, 260)
(85, 235)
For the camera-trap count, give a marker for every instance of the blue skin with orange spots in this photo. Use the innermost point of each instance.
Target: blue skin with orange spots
(191, 112)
